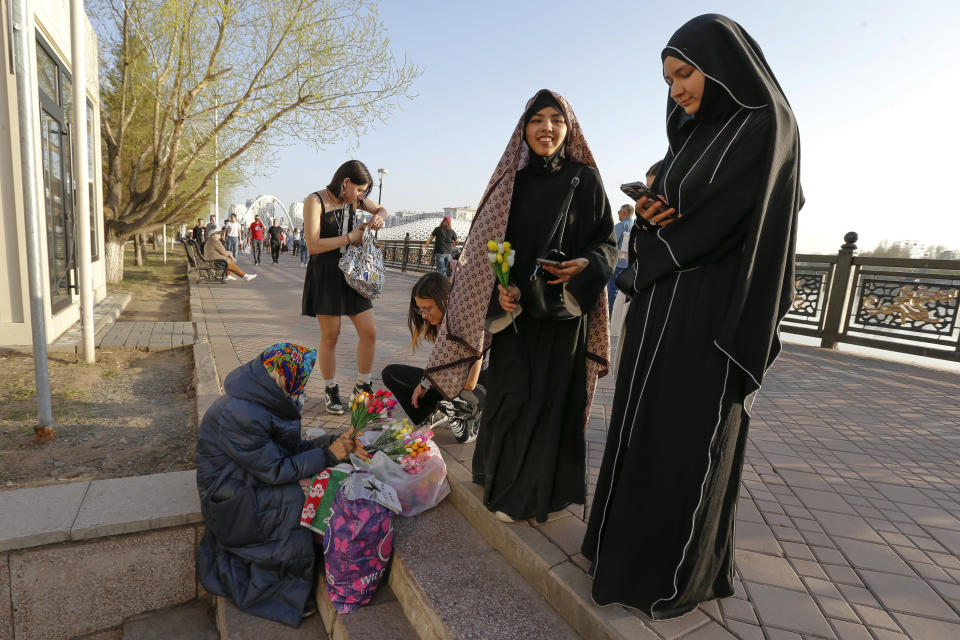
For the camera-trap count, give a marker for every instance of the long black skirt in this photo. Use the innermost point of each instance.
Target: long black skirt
(530, 451)
(661, 529)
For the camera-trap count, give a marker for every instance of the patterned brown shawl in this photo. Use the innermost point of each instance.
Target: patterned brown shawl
(462, 337)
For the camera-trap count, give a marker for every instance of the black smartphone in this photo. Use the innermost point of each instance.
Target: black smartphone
(636, 190)
(552, 263)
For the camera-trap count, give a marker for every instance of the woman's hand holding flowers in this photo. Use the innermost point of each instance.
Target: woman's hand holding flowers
(566, 269)
(650, 211)
(509, 297)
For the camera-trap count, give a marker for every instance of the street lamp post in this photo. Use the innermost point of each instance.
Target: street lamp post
(382, 173)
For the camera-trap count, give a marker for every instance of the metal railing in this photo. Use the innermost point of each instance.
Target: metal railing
(407, 255)
(898, 304)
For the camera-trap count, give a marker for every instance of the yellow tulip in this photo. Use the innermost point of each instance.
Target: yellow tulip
(491, 245)
(505, 266)
(506, 247)
(500, 258)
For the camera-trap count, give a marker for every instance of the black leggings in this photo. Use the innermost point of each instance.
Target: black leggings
(401, 380)
(275, 251)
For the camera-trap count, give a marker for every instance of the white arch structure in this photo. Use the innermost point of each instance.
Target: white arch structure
(263, 198)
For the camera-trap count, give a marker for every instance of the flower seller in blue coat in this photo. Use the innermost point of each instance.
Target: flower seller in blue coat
(250, 459)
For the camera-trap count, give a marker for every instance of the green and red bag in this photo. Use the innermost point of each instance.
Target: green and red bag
(323, 489)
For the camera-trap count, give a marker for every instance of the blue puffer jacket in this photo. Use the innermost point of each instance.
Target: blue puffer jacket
(250, 457)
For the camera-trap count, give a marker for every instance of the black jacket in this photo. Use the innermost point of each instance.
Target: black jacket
(250, 457)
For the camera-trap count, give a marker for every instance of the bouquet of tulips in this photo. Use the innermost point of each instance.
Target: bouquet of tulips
(501, 259)
(392, 434)
(367, 409)
(410, 462)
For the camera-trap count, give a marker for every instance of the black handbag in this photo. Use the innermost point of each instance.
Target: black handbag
(545, 301)
(624, 281)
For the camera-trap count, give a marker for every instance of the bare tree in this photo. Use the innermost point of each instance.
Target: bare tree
(886, 249)
(195, 88)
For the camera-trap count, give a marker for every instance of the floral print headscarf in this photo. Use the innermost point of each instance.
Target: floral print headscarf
(292, 363)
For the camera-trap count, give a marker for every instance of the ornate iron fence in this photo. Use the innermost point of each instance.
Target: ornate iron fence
(407, 255)
(898, 304)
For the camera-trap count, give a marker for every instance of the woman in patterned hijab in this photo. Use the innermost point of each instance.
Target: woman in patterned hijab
(530, 451)
(290, 365)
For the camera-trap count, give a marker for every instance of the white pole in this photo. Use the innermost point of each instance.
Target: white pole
(216, 159)
(164, 240)
(81, 175)
(27, 113)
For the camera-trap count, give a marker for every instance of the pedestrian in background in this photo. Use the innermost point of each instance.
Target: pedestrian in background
(444, 239)
(233, 235)
(257, 231)
(275, 234)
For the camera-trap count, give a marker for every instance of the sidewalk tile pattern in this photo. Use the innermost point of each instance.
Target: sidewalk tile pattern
(849, 514)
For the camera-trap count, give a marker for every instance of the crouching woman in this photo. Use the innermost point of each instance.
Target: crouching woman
(250, 458)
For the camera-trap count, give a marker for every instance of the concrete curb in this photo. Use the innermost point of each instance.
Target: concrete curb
(543, 565)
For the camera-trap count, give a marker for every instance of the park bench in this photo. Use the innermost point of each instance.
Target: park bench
(207, 270)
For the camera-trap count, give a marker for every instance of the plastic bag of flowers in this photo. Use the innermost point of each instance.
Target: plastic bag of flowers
(411, 463)
(359, 540)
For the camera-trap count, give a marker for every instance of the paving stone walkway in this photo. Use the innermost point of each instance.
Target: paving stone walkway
(848, 526)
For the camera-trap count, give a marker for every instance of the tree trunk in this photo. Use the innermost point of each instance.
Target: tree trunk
(114, 258)
(138, 249)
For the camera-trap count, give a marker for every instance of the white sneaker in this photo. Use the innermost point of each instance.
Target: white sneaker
(230, 276)
(250, 276)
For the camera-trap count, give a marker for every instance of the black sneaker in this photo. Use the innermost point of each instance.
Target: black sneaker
(464, 430)
(435, 419)
(362, 387)
(332, 400)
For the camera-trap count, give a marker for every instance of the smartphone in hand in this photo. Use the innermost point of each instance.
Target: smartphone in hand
(544, 261)
(637, 190)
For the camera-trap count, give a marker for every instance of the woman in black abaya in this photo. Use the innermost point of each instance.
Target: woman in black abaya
(714, 277)
(530, 453)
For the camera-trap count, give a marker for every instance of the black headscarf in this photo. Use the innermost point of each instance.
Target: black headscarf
(554, 162)
(737, 74)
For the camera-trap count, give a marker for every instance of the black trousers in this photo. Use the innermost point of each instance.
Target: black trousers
(275, 251)
(256, 246)
(401, 379)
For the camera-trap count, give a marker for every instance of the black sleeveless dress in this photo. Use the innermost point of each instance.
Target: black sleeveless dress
(325, 290)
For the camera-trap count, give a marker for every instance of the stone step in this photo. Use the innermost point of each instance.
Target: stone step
(192, 621)
(451, 584)
(382, 618)
(545, 566)
(234, 624)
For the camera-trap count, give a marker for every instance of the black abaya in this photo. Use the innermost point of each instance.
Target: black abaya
(661, 530)
(530, 454)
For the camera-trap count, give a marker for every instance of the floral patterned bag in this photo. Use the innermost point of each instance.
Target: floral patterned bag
(358, 542)
(362, 266)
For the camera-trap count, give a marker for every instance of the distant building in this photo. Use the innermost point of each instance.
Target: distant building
(296, 214)
(460, 213)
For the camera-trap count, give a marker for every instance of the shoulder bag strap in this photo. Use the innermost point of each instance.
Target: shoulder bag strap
(562, 218)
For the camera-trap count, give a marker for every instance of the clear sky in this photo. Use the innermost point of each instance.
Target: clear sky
(875, 86)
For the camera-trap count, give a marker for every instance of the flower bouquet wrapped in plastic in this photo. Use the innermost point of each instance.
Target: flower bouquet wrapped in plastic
(411, 463)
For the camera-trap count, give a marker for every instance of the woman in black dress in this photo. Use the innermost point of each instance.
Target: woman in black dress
(530, 453)
(327, 231)
(714, 277)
